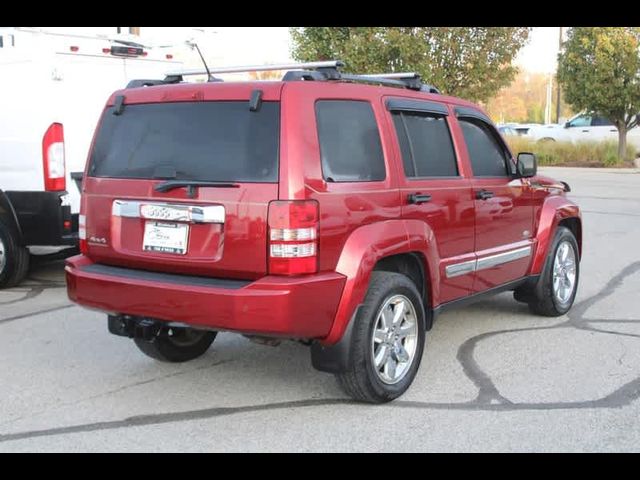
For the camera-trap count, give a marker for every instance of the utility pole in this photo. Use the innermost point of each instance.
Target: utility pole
(557, 82)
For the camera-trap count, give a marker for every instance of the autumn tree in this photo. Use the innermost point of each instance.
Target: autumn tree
(599, 71)
(470, 62)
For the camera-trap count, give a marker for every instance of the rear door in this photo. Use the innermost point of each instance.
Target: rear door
(603, 130)
(204, 230)
(503, 205)
(434, 189)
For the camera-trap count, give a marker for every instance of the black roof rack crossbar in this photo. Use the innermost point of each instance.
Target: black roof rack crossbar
(310, 71)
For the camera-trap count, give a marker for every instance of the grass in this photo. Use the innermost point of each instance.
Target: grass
(567, 154)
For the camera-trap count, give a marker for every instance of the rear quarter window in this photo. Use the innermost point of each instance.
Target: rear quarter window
(209, 141)
(350, 146)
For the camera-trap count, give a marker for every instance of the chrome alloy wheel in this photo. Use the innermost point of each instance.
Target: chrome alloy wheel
(564, 272)
(395, 339)
(3, 255)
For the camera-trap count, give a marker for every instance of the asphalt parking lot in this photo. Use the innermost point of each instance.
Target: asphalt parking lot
(493, 376)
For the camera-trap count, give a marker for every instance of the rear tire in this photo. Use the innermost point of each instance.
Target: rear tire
(388, 340)
(177, 344)
(14, 259)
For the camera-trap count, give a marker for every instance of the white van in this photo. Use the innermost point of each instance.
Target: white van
(52, 90)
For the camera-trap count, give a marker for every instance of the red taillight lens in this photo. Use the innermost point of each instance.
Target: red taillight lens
(82, 233)
(293, 237)
(53, 158)
(169, 56)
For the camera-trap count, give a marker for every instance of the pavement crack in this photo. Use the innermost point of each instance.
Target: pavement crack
(173, 417)
(487, 391)
(33, 314)
(118, 390)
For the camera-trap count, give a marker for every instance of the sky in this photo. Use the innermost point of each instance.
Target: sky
(227, 46)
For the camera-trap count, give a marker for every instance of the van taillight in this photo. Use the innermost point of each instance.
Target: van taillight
(82, 233)
(293, 237)
(53, 158)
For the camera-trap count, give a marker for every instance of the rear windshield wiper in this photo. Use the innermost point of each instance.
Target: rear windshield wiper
(192, 184)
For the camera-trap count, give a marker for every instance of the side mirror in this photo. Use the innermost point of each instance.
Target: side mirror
(527, 165)
(567, 124)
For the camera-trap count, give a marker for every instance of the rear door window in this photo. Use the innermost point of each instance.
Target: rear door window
(601, 122)
(350, 145)
(425, 142)
(209, 141)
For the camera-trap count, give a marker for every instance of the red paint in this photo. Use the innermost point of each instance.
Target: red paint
(358, 225)
(297, 307)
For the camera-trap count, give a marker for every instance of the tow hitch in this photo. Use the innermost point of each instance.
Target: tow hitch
(135, 327)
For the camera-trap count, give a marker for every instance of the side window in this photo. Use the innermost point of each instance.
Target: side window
(350, 146)
(486, 154)
(601, 122)
(426, 145)
(581, 121)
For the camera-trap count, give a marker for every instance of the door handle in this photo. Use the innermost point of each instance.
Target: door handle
(585, 131)
(483, 194)
(418, 198)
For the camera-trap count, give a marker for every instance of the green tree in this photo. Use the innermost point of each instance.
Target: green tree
(599, 71)
(473, 63)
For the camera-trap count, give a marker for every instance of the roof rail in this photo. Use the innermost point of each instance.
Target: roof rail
(310, 71)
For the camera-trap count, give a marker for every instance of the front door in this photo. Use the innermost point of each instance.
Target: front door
(503, 208)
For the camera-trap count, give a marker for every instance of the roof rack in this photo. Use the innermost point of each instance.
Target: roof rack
(310, 71)
(334, 64)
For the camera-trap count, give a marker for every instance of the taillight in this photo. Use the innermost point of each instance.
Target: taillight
(293, 237)
(53, 158)
(82, 233)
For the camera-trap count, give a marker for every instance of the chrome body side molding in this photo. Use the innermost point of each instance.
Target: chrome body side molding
(489, 261)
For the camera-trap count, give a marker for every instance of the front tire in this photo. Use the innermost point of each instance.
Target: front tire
(14, 259)
(177, 344)
(388, 340)
(556, 289)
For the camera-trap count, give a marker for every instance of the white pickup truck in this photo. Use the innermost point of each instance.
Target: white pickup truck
(52, 90)
(583, 127)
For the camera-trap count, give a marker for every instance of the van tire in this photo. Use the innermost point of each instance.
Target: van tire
(362, 380)
(14, 264)
(177, 345)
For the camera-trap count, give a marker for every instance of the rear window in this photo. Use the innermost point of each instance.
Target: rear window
(209, 141)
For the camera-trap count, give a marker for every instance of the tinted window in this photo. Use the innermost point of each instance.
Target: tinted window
(486, 154)
(349, 141)
(600, 122)
(425, 143)
(213, 141)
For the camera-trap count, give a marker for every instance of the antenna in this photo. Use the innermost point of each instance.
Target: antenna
(193, 44)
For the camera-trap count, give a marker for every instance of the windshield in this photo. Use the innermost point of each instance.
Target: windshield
(209, 141)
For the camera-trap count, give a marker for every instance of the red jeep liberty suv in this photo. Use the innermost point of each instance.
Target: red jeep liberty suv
(344, 211)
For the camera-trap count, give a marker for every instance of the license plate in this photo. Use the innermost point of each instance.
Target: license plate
(165, 237)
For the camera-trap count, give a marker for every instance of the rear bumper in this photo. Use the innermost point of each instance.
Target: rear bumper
(294, 307)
